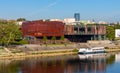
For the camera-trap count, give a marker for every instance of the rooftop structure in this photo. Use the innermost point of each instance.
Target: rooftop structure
(77, 16)
(69, 21)
(56, 20)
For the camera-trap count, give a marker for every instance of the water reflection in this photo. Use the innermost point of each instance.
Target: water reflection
(59, 64)
(9, 66)
(93, 63)
(117, 59)
(49, 65)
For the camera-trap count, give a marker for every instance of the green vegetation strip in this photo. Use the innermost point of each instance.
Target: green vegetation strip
(55, 51)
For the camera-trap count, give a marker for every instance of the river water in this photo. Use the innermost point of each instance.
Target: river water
(100, 63)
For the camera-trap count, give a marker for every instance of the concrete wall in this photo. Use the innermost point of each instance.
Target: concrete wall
(99, 42)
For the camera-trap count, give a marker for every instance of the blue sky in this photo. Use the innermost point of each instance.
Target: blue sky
(104, 10)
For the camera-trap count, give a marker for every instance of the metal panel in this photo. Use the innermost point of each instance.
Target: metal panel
(43, 28)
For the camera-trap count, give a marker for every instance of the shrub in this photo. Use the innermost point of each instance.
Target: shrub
(23, 42)
(19, 43)
(75, 50)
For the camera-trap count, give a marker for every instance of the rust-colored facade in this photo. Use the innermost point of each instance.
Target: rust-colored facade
(73, 33)
(69, 29)
(42, 28)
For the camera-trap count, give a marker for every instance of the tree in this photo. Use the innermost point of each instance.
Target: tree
(54, 39)
(21, 19)
(62, 39)
(110, 32)
(117, 26)
(45, 39)
(9, 32)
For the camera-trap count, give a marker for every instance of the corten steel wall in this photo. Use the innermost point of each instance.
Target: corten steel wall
(101, 30)
(42, 28)
(97, 29)
(69, 29)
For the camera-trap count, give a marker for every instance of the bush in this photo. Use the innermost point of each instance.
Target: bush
(23, 42)
(75, 50)
(14, 43)
(19, 43)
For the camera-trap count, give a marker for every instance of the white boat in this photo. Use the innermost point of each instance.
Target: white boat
(91, 50)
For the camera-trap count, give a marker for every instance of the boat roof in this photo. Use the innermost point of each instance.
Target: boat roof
(93, 48)
(98, 48)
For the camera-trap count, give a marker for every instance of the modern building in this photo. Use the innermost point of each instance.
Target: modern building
(36, 32)
(56, 20)
(72, 33)
(102, 22)
(117, 33)
(69, 21)
(83, 33)
(41, 28)
(77, 16)
(87, 22)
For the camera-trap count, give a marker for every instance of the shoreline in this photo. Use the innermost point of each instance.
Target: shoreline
(112, 50)
(49, 53)
(27, 51)
(38, 54)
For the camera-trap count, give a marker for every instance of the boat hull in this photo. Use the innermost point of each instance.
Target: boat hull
(91, 52)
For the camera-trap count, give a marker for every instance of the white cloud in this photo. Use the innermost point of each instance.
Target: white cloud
(45, 8)
(52, 4)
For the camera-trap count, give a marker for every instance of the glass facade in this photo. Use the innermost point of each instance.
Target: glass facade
(77, 16)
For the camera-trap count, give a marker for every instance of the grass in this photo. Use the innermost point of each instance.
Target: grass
(19, 51)
(37, 54)
(53, 52)
(50, 52)
(55, 44)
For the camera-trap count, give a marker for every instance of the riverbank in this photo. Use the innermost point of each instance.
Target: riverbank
(46, 53)
(26, 51)
(113, 50)
(38, 54)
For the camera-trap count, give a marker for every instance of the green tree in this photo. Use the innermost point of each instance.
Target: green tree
(21, 19)
(117, 26)
(54, 39)
(110, 32)
(9, 32)
(62, 39)
(45, 39)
